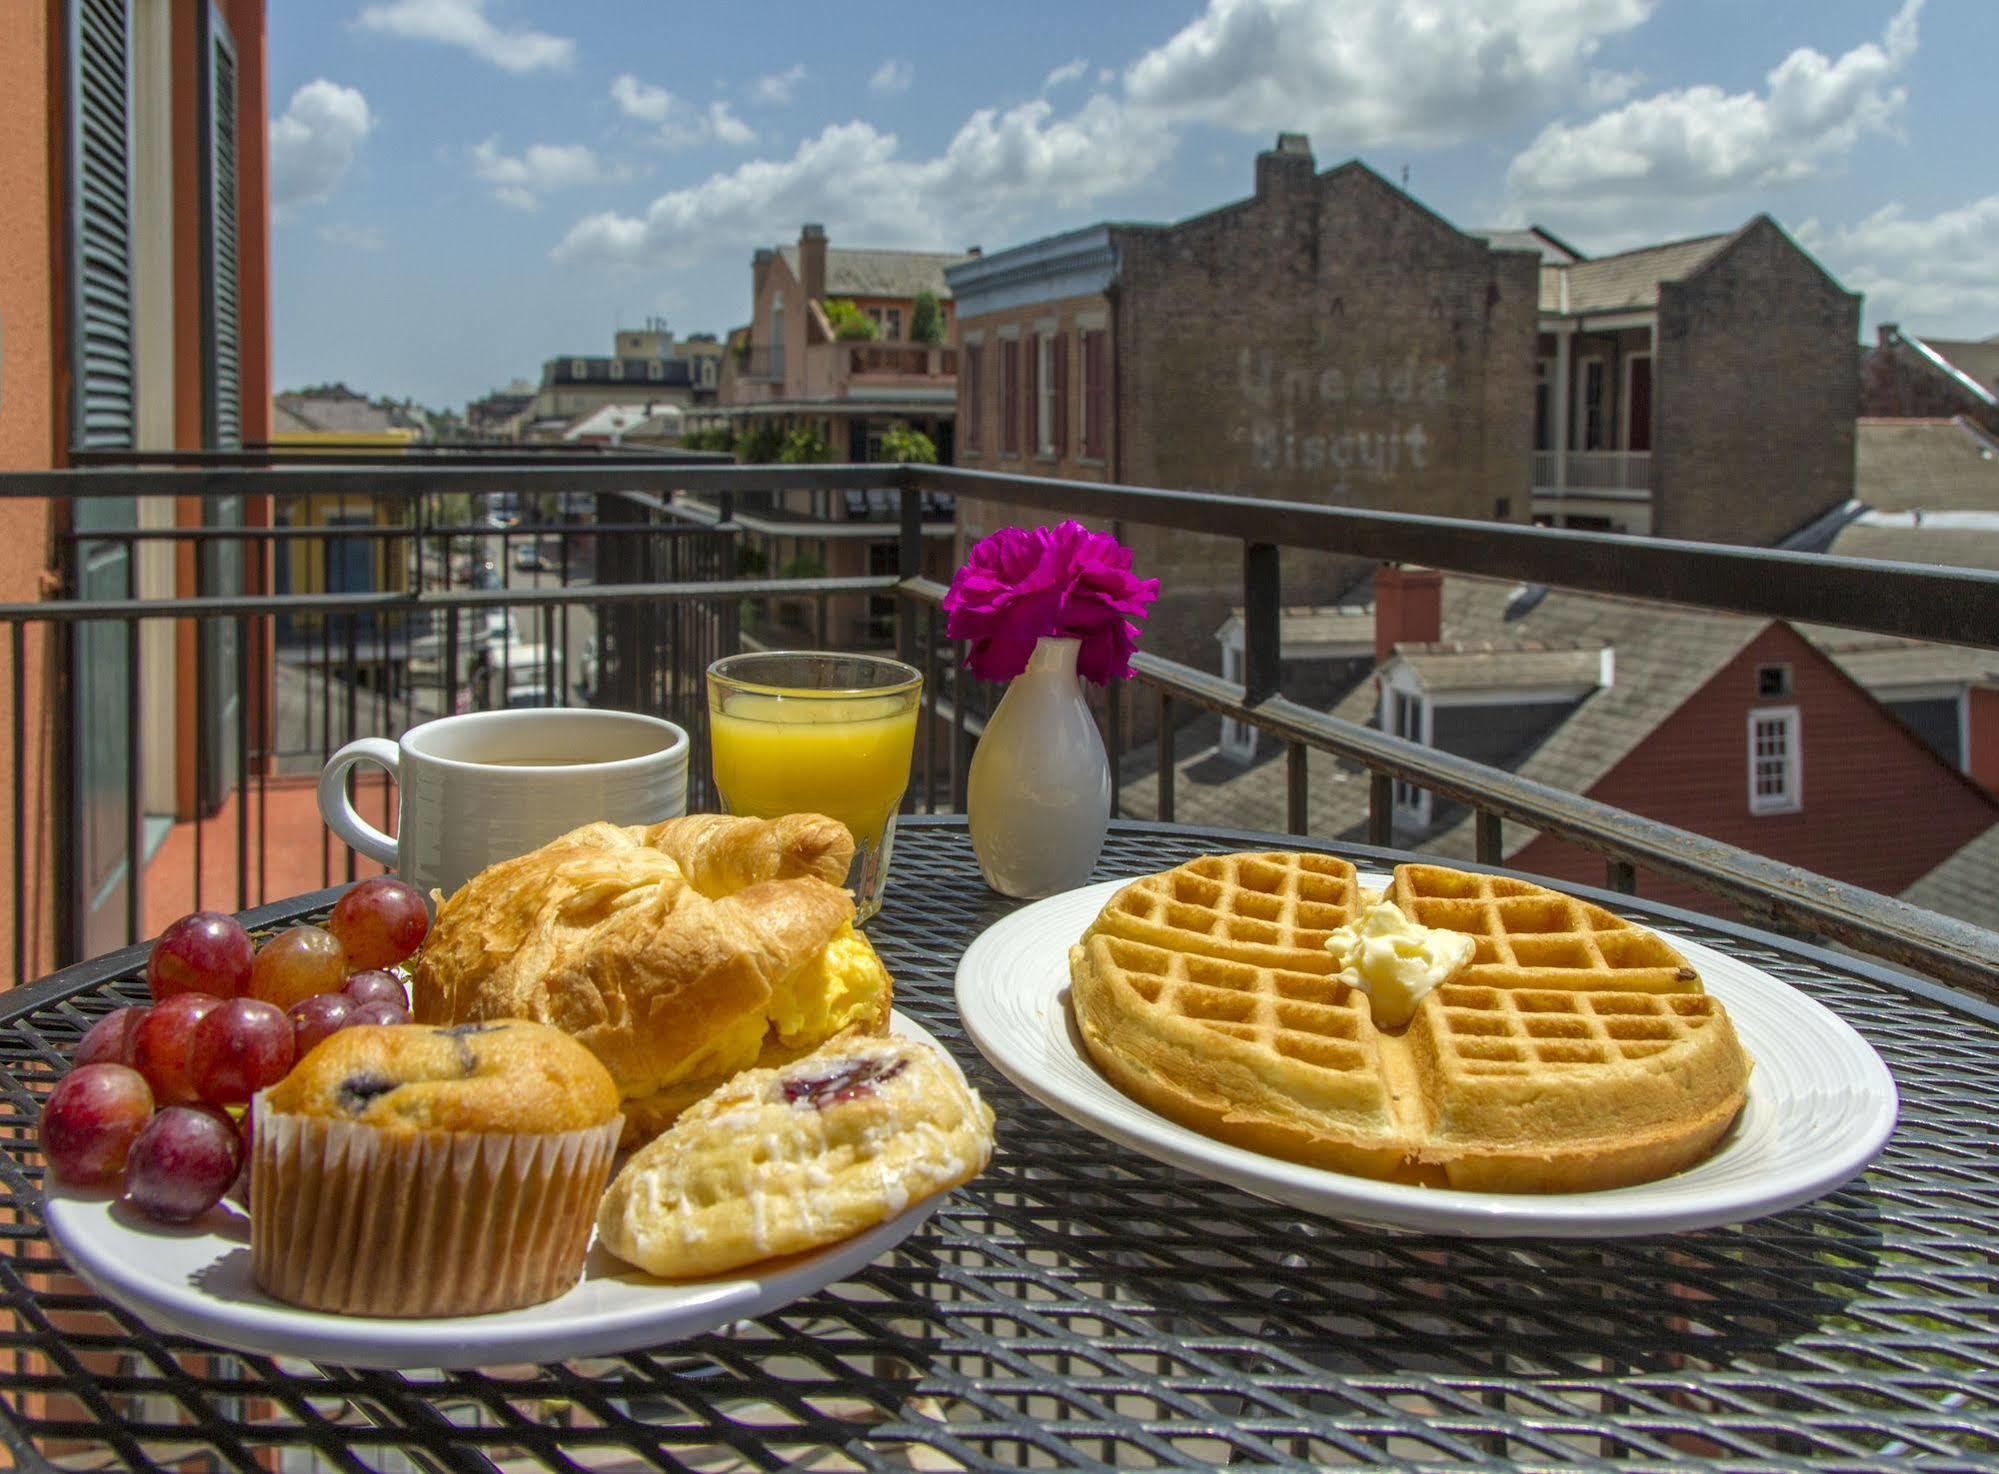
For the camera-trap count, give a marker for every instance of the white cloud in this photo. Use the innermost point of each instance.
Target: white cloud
(893, 75)
(1069, 71)
(1000, 166)
(777, 89)
(1698, 143)
(465, 24)
(680, 124)
(727, 127)
(354, 237)
(519, 181)
(1359, 73)
(641, 100)
(314, 141)
(1932, 275)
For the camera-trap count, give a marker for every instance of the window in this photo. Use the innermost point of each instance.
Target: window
(1774, 767)
(1403, 715)
(776, 370)
(975, 407)
(1773, 681)
(1045, 398)
(892, 324)
(1009, 388)
(655, 370)
(1096, 395)
(1058, 434)
(1593, 406)
(579, 368)
(617, 368)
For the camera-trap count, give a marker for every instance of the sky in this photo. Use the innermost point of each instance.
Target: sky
(464, 188)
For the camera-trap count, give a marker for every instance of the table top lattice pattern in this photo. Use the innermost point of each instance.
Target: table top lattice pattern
(1079, 1306)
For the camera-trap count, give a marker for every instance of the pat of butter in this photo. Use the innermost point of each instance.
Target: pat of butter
(1396, 961)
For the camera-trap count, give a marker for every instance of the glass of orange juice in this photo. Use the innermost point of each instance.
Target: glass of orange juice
(812, 732)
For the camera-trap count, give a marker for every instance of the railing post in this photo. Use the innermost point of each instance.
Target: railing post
(1489, 838)
(1167, 772)
(1380, 809)
(1621, 875)
(908, 563)
(1297, 809)
(1262, 629)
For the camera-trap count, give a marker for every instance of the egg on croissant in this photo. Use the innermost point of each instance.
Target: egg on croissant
(679, 953)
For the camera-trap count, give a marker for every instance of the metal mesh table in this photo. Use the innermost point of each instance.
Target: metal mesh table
(1079, 1307)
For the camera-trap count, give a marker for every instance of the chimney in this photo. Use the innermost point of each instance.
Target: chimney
(1285, 168)
(1891, 334)
(812, 262)
(1408, 608)
(759, 274)
(975, 250)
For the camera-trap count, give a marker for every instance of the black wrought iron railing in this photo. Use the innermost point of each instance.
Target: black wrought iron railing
(644, 596)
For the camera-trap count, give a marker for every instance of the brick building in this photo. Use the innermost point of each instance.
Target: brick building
(1906, 377)
(1699, 389)
(790, 367)
(1331, 340)
(1326, 340)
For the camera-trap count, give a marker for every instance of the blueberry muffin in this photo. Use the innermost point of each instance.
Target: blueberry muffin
(416, 1171)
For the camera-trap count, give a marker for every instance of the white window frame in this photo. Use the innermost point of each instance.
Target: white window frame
(1411, 802)
(617, 368)
(1792, 798)
(1044, 395)
(579, 368)
(892, 324)
(655, 370)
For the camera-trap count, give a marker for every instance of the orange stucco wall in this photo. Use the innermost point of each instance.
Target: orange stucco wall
(29, 376)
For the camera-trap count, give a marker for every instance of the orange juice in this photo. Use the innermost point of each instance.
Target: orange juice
(846, 758)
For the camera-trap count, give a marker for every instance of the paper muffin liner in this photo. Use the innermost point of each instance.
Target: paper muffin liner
(354, 1219)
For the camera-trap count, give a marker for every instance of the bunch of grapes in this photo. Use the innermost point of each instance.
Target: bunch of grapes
(152, 1098)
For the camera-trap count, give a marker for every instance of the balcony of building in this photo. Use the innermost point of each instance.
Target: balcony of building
(1593, 412)
(142, 788)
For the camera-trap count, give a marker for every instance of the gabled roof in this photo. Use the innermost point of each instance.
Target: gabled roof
(1932, 465)
(1551, 247)
(1628, 281)
(1977, 361)
(1663, 656)
(1965, 885)
(862, 273)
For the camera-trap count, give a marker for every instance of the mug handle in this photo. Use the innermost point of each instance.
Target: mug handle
(338, 809)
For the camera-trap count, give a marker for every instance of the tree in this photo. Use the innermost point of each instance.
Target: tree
(759, 444)
(926, 323)
(804, 445)
(848, 321)
(906, 446)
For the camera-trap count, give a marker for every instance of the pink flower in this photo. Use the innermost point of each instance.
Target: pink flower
(1022, 584)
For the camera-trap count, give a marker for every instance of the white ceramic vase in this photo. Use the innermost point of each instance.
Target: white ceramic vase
(1038, 798)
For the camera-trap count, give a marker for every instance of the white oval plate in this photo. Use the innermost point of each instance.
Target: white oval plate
(1821, 1103)
(196, 1281)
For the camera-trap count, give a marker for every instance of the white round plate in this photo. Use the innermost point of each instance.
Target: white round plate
(196, 1281)
(1821, 1103)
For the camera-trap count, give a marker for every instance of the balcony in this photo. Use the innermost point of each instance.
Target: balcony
(898, 361)
(1602, 490)
(625, 605)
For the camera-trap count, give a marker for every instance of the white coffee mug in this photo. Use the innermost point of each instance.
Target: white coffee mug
(487, 786)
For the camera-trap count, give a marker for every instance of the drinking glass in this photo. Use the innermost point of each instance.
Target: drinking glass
(815, 732)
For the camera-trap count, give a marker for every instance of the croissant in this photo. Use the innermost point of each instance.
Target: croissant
(679, 954)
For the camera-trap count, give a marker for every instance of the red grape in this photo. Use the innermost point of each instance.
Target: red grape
(316, 1017)
(182, 1163)
(238, 1049)
(379, 1013)
(380, 922)
(111, 1038)
(208, 952)
(296, 964)
(162, 1047)
(376, 987)
(94, 1115)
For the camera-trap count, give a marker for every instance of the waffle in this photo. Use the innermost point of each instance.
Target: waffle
(1531, 937)
(1271, 910)
(1206, 995)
